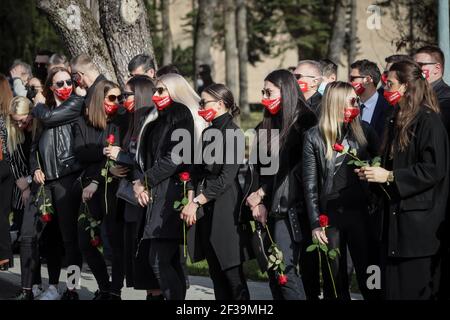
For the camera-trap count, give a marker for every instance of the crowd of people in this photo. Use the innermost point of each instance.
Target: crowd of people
(88, 166)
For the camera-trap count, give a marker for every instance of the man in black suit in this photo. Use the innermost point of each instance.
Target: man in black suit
(364, 77)
(432, 61)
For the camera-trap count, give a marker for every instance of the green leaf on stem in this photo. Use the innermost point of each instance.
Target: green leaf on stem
(311, 248)
(184, 201)
(176, 204)
(92, 233)
(323, 247)
(332, 254)
(104, 172)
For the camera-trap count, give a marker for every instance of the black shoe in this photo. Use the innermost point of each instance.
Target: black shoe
(24, 295)
(155, 298)
(70, 295)
(113, 296)
(101, 295)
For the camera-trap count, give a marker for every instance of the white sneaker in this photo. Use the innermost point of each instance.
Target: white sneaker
(50, 294)
(37, 291)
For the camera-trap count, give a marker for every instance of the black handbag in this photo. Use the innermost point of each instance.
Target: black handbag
(260, 245)
(125, 192)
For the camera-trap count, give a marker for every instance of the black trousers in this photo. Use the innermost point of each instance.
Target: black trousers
(349, 229)
(411, 278)
(6, 187)
(309, 269)
(164, 259)
(229, 284)
(65, 196)
(293, 289)
(113, 221)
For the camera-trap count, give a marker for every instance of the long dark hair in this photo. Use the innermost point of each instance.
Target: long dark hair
(95, 111)
(418, 95)
(48, 93)
(221, 92)
(292, 103)
(143, 89)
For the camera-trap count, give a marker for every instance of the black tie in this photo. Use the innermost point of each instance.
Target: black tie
(361, 107)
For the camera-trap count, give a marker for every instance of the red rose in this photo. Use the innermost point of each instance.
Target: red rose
(95, 242)
(46, 217)
(338, 147)
(282, 279)
(185, 176)
(111, 139)
(323, 221)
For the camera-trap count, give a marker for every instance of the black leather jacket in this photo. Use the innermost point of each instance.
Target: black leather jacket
(55, 143)
(318, 172)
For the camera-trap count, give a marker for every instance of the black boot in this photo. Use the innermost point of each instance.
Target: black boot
(101, 295)
(24, 295)
(70, 295)
(155, 298)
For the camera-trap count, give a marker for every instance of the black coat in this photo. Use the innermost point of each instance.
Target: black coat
(318, 172)
(442, 91)
(420, 189)
(55, 142)
(380, 115)
(161, 172)
(220, 185)
(314, 103)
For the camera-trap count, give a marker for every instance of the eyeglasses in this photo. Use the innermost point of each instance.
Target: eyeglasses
(113, 97)
(298, 76)
(353, 78)
(202, 103)
(160, 90)
(60, 84)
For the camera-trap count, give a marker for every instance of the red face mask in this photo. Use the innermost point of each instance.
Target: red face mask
(162, 102)
(350, 114)
(303, 85)
(207, 114)
(426, 74)
(129, 105)
(392, 97)
(359, 88)
(110, 109)
(384, 78)
(272, 105)
(63, 93)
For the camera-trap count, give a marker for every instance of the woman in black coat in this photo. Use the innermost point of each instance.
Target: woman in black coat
(415, 172)
(160, 186)
(92, 132)
(6, 185)
(278, 199)
(217, 235)
(332, 189)
(138, 102)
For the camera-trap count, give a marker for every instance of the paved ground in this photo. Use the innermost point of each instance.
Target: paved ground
(201, 287)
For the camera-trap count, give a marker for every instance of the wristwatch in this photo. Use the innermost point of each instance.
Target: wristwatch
(29, 180)
(390, 177)
(196, 201)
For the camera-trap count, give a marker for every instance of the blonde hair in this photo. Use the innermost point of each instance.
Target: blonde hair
(18, 106)
(332, 116)
(180, 91)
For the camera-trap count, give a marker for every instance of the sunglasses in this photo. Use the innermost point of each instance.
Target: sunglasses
(353, 78)
(426, 63)
(298, 76)
(160, 90)
(60, 84)
(114, 98)
(202, 103)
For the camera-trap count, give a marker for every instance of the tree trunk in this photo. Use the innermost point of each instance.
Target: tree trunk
(338, 34)
(93, 6)
(353, 39)
(231, 55)
(167, 33)
(204, 32)
(126, 31)
(242, 40)
(79, 31)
